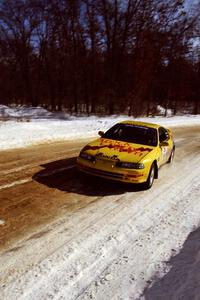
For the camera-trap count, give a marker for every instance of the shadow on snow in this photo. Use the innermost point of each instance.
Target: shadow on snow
(183, 280)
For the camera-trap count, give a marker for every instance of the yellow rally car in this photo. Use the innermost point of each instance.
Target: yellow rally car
(129, 151)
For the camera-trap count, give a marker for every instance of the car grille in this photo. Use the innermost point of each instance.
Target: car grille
(101, 172)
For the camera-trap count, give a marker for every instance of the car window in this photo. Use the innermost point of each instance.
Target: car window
(163, 134)
(132, 134)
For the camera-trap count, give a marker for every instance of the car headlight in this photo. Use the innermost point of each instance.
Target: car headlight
(128, 165)
(86, 156)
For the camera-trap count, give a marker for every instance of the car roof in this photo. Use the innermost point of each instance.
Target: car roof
(139, 123)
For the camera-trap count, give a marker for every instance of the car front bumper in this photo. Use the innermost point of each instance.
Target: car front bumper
(106, 171)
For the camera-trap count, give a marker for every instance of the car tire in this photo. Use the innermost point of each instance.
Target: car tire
(171, 158)
(148, 184)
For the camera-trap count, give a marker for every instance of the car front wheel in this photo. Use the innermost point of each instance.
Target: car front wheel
(148, 184)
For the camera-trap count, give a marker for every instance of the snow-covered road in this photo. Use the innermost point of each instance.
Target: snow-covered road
(65, 237)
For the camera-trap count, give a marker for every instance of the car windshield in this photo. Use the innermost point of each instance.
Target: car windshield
(132, 134)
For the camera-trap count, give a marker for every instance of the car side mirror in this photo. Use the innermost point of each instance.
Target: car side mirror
(101, 133)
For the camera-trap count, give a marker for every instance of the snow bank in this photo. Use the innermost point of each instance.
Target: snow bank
(37, 129)
(162, 111)
(26, 113)
(23, 112)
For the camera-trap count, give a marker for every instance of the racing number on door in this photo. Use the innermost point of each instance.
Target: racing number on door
(164, 151)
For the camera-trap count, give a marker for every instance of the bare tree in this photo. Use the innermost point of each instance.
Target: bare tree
(105, 56)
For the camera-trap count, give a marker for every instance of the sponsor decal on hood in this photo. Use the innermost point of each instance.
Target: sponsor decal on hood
(117, 146)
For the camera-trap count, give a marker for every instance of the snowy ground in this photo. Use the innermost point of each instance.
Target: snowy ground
(106, 242)
(37, 125)
(182, 281)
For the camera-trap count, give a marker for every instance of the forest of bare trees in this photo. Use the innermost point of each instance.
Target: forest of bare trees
(100, 56)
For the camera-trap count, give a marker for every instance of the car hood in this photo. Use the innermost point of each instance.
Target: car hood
(116, 150)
